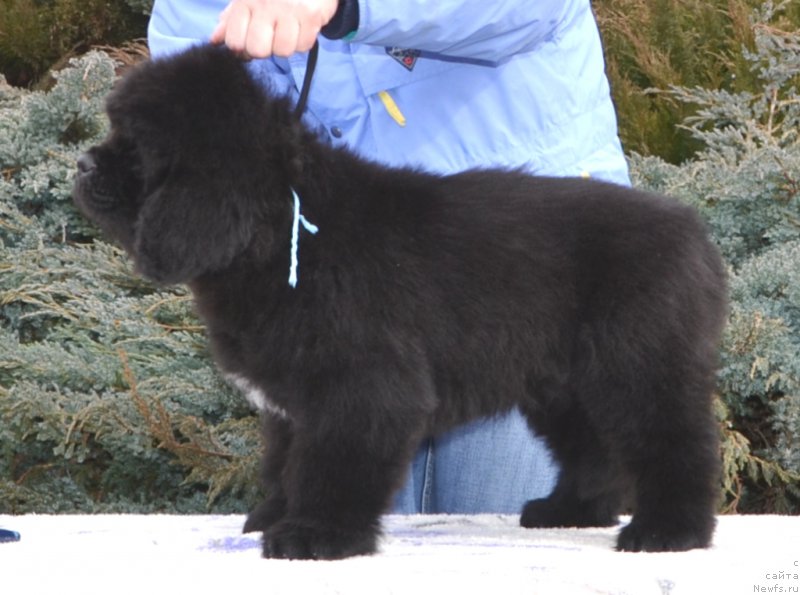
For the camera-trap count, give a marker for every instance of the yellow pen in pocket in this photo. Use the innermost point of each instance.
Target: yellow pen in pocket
(392, 108)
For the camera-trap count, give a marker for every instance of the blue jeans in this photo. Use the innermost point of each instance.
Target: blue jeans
(491, 465)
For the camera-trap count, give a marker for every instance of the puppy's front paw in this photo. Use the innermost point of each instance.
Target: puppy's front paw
(309, 541)
(265, 515)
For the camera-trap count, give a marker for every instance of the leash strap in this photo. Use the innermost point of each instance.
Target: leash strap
(310, 66)
(298, 218)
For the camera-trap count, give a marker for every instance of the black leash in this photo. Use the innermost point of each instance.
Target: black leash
(310, 66)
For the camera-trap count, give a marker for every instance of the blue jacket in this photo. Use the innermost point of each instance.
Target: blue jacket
(447, 85)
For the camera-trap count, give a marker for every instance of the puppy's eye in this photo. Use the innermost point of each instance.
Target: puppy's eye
(153, 178)
(125, 150)
(140, 176)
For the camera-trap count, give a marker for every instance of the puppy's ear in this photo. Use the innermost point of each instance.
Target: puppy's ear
(186, 228)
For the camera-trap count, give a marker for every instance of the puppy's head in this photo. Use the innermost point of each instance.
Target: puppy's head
(194, 161)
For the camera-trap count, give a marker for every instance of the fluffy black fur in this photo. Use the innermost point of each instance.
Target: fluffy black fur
(424, 301)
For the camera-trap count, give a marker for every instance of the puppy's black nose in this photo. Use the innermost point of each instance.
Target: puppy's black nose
(86, 163)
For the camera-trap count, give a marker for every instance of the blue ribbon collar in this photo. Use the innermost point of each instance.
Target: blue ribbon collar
(297, 219)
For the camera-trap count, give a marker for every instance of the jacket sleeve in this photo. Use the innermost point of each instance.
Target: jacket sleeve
(176, 25)
(486, 30)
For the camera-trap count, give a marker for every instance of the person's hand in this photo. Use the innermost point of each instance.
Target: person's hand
(261, 28)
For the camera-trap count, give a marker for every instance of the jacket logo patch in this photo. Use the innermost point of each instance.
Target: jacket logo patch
(408, 58)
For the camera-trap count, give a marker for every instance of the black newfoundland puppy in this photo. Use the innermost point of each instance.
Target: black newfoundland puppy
(421, 302)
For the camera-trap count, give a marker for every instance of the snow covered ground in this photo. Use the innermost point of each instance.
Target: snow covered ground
(447, 555)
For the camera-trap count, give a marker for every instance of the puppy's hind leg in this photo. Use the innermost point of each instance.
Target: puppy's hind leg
(589, 492)
(677, 471)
